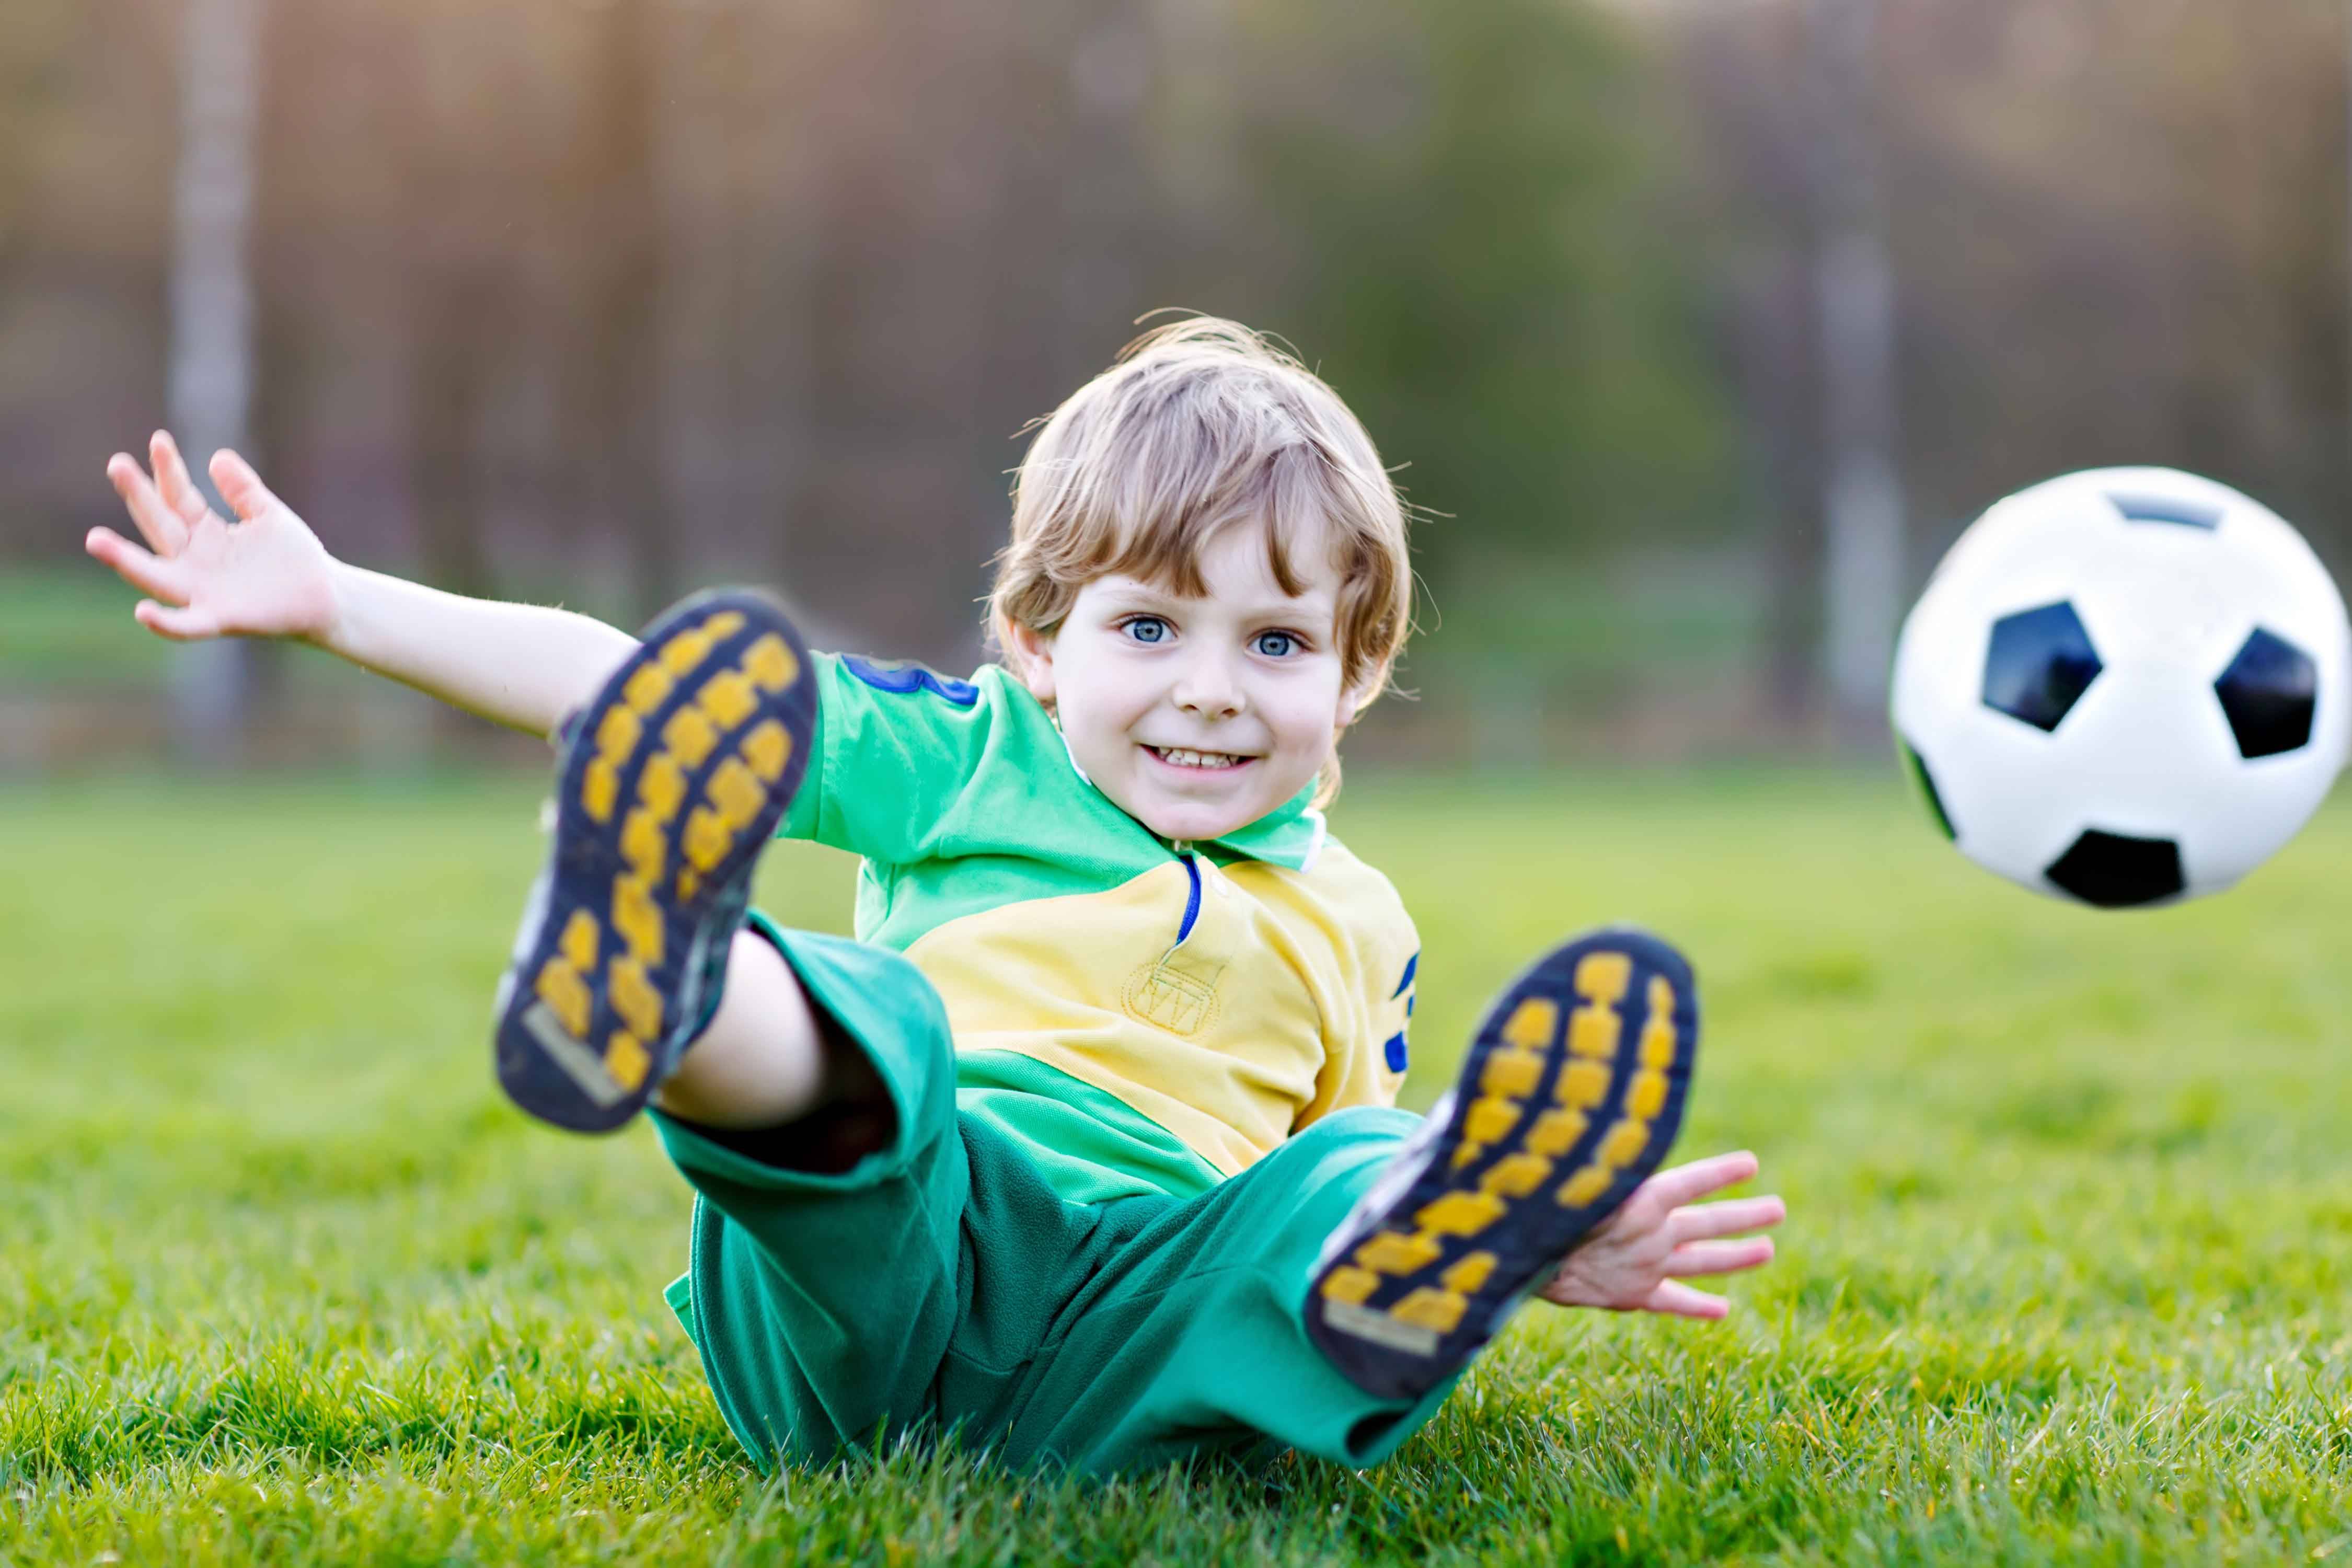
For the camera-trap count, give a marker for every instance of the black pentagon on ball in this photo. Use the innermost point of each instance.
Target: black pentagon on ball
(2269, 692)
(2039, 664)
(1927, 782)
(2118, 873)
(2179, 511)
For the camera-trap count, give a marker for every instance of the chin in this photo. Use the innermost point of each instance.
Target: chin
(1191, 820)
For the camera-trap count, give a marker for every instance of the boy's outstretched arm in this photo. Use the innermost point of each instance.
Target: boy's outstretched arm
(268, 575)
(1662, 1234)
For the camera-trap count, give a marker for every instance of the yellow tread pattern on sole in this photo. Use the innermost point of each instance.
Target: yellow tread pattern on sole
(1460, 1214)
(579, 941)
(1511, 1073)
(1429, 1308)
(737, 794)
(643, 844)
(634, 998)
(1622, 1143)
(1469, 1276)
(1556, 1132)
(766, 749)
(706, 839)
(1517, 1176)
(1582, 1085)
(683, 652)
(771, 664)
(1490, 1119)
(646, 689)
(600, 789)
(729, 698)
(618, 732)
(689, 733)
(661, 787)
(1584, 1187)
(638, 920)
(1533, 1024)
(566, 994)
(1657, 1046)
(1395, 1252)
(627, 1060)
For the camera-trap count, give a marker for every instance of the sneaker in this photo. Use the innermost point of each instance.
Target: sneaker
(1570, 1097)
(671, 783)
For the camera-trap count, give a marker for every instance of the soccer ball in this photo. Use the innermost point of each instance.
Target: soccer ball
(2125, 687)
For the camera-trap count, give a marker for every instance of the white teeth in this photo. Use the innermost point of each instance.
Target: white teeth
(1187, 759)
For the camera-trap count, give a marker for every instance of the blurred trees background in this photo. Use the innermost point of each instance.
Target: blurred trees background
(596, 299)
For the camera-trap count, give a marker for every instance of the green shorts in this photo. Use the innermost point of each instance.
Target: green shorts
(942, 1285)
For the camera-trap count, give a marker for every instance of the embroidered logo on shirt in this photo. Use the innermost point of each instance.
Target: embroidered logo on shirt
(1178, 1002)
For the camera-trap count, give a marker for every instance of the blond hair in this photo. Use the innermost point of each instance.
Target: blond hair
(1197, 426)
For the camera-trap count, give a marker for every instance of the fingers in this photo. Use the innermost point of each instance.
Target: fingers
(148, 574)
(240, 486)
(180, 492)
(1679, 1300)
(163, 528)
(178, 621)
(1718, 1257)
(1654, 1199)
(1700, 1222)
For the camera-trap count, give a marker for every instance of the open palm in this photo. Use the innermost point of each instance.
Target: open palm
(264, 576)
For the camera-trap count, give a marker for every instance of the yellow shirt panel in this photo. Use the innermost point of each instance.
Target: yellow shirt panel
(1271, 1010)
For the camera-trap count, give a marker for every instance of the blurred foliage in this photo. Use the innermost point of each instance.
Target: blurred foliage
(61, 625)
(621, 296)
(609, 298)
(1482, 270)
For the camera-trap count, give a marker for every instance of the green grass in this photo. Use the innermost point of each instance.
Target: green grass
(2066, 1273)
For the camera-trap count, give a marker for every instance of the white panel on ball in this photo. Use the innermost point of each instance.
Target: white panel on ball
(2125, 687)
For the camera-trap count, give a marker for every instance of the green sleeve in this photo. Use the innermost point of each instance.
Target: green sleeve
(897, 748)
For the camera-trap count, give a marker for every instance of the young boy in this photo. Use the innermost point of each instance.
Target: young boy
(1086, 1146)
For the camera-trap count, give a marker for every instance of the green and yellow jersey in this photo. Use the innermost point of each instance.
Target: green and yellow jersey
(1143, 1017)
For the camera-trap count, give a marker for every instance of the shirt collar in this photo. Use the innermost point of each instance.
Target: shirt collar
(1291, 835)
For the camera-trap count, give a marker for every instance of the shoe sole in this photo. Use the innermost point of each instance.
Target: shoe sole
(1571, 1095)
(673, 781)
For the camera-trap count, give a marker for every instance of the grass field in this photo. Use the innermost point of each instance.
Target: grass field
(2068, 1271)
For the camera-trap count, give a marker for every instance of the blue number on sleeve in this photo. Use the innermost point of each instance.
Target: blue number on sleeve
(1394, 1051)
(903, 679)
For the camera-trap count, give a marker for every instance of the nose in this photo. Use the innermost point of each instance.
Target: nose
(1208, 686)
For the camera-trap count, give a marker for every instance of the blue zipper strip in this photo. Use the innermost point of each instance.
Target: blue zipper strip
(1192, 904)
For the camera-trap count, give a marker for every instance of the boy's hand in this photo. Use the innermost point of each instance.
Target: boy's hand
(266, 576)
(1662, 1233)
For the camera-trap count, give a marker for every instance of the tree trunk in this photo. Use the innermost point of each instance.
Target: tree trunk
(210, 391)
(1863, 503)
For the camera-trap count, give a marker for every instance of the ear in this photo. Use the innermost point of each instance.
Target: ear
(1035, 651)
(1352, 699)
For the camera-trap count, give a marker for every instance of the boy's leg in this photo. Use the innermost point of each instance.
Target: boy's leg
(1328, 1296)
(825, 1266)
(1186, 1331)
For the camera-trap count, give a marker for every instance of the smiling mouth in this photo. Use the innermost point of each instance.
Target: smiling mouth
(1201, 762)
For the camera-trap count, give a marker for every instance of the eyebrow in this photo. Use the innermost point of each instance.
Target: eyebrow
(1144, 596)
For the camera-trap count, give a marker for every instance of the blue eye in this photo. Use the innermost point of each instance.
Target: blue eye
(1275, 645)
(1148, 629)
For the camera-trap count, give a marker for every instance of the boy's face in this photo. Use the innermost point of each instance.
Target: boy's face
(1198, 716)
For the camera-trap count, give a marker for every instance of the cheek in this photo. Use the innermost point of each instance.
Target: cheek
(1099, 699)
(1302, 713)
